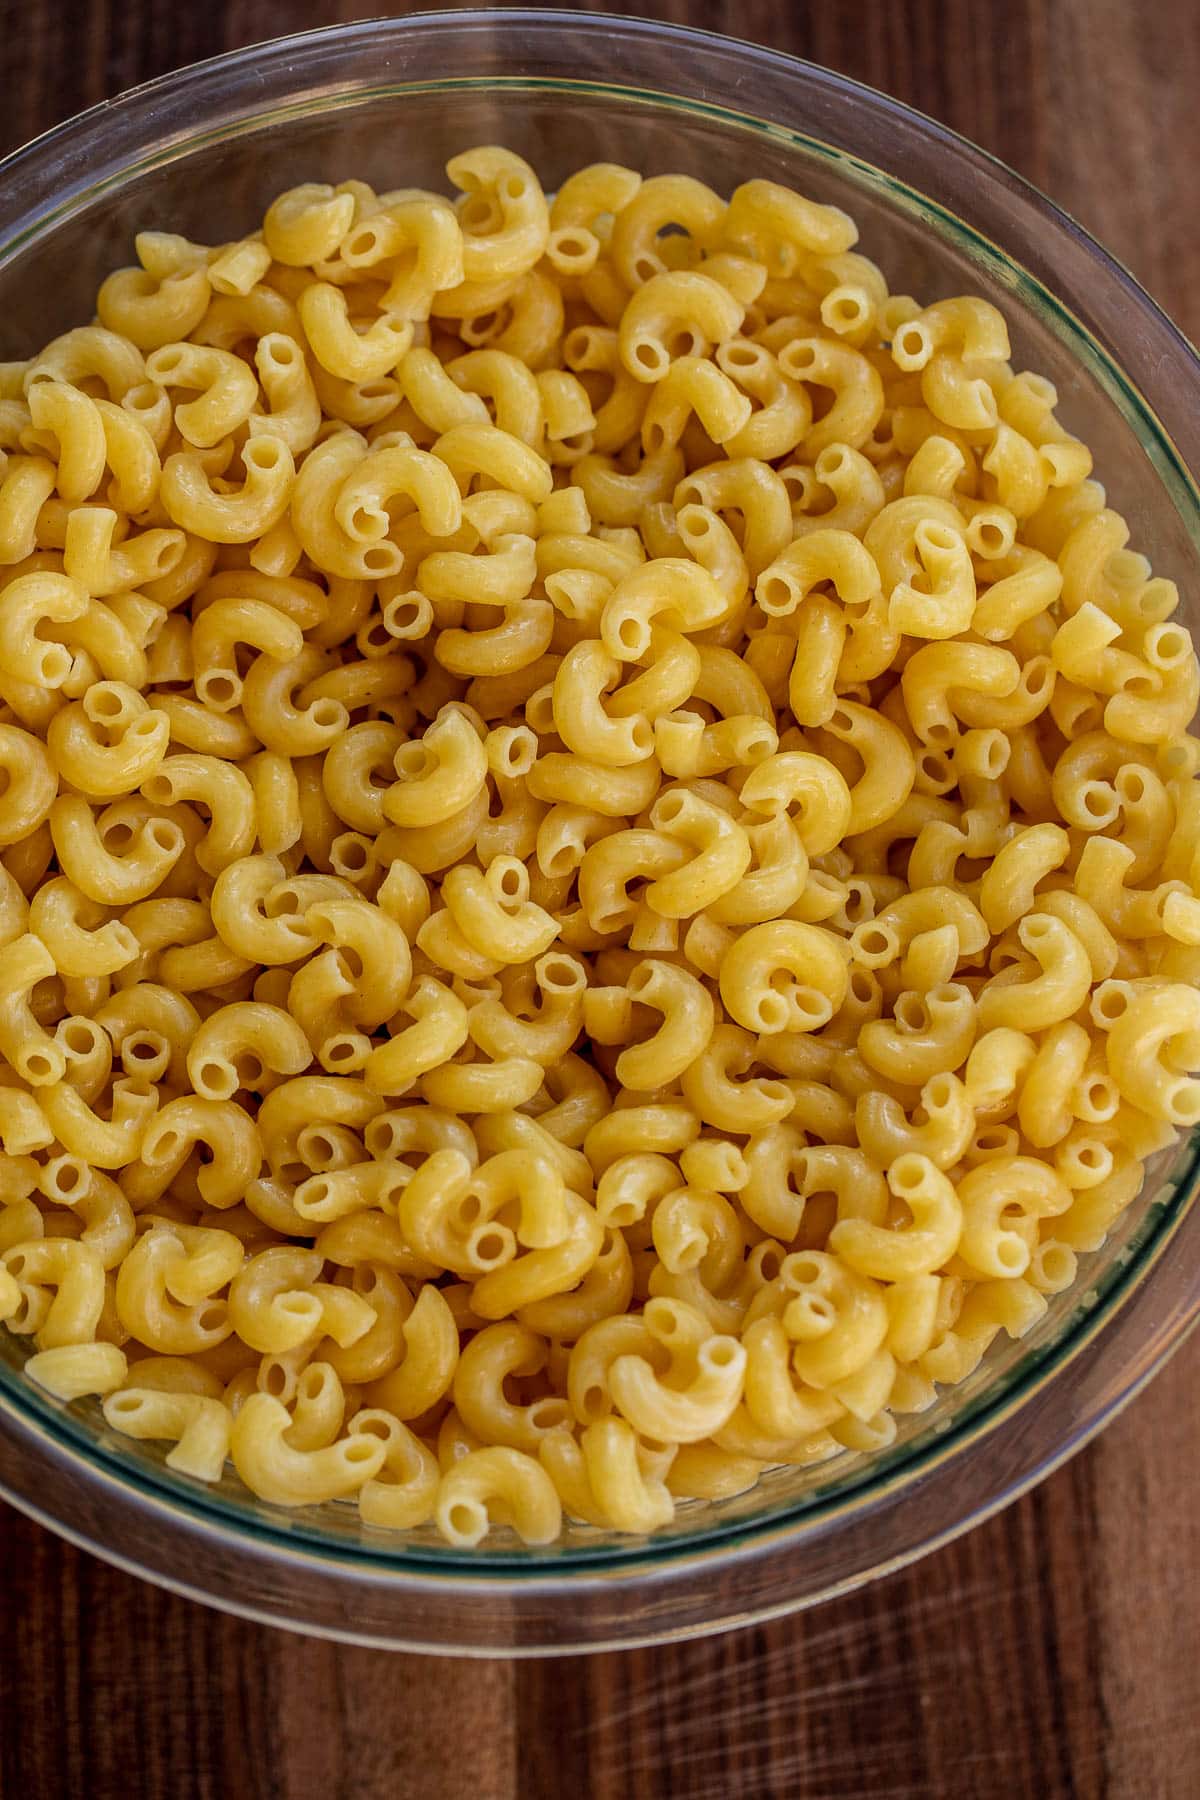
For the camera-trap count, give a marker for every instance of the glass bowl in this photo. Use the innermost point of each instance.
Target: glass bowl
(205, 150)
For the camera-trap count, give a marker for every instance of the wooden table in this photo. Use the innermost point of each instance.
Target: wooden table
(1051, 1653)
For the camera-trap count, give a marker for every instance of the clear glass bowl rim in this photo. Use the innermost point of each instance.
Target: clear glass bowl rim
(55, 174)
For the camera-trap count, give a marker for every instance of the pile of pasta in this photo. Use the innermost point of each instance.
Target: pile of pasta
(600, 849)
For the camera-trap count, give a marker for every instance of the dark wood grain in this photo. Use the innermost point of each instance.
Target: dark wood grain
(1051, 1654)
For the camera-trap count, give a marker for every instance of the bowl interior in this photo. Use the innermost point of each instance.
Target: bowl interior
(215, 181)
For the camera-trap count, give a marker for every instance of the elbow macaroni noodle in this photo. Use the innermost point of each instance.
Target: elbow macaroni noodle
(599, 856)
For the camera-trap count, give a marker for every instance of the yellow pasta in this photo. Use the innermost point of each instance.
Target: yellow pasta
(599, 851)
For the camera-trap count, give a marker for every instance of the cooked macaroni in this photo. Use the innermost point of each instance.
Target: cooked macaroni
(599, 856)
